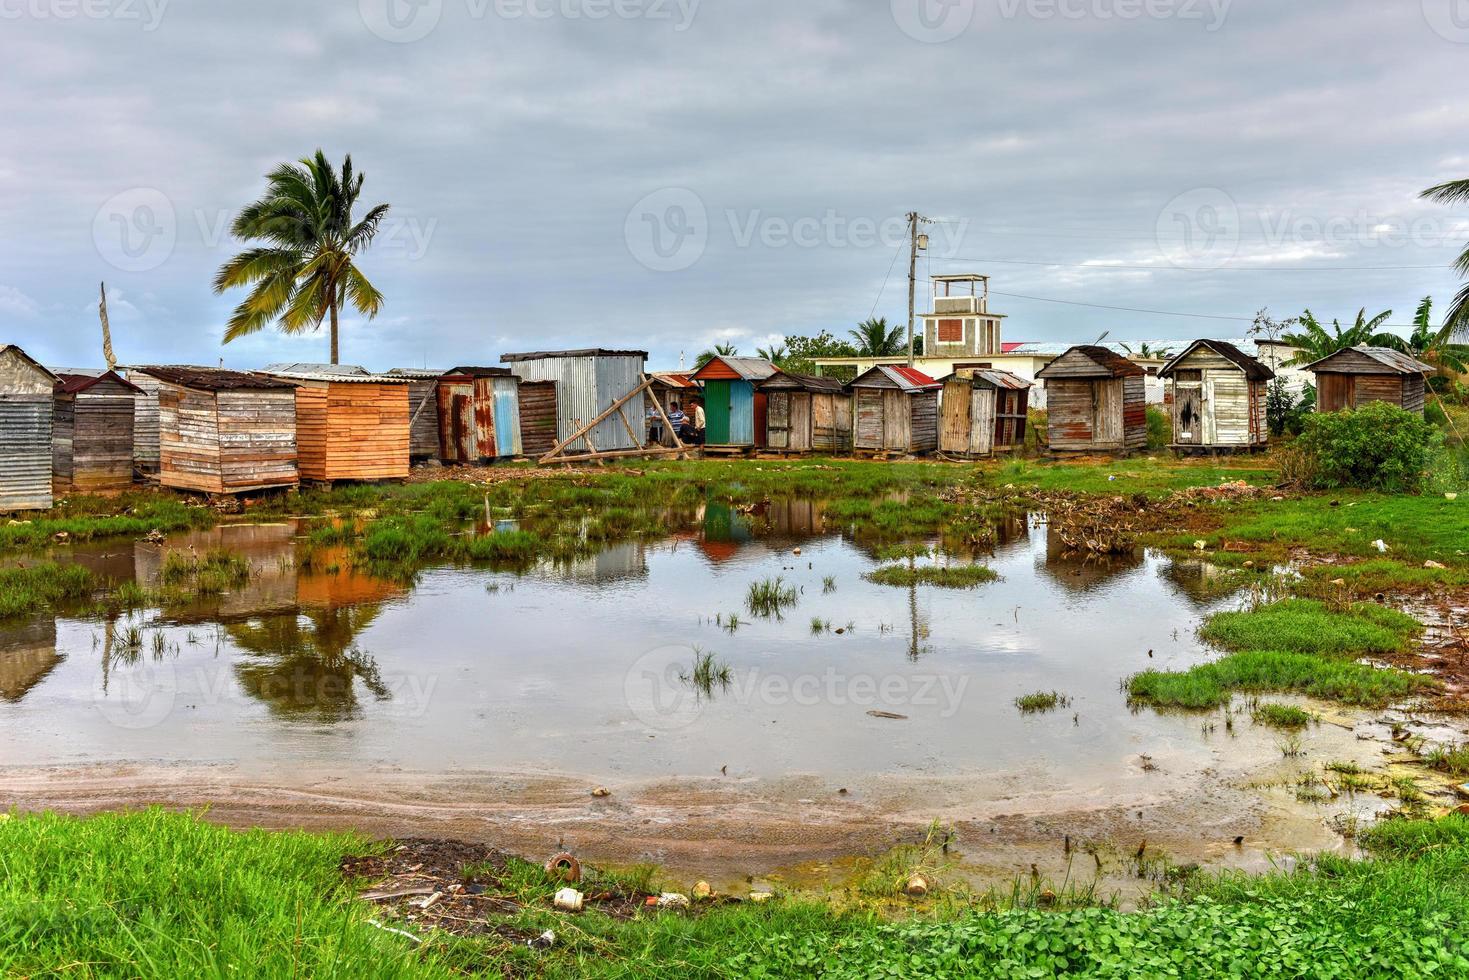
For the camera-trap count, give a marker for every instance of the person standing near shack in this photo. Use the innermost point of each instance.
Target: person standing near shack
(696, 423)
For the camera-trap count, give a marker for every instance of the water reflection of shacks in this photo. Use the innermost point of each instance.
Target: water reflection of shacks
(27, 654)
(1199, 581)
(92, 438)
(221, 431)
(308, 666)
(27, 411)
(1081, 572)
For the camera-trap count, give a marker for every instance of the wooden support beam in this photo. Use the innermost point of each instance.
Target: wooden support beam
(584, 432)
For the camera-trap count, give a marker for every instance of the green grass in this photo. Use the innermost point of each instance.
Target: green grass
(34, 588)
(1308, 626)
(210, 574)
(1281, 716)
(154, 894)
(1040, 701)
(1154, 476)
(940, 576)
(85, 518)
(1274, 672)
(770, 598)
(1452, 759)
(708, 673)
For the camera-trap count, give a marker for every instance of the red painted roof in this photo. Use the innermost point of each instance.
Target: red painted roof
(915, 377)
(1010, 346)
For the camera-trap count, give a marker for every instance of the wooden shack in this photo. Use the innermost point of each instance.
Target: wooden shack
(224, 431)
(479, 415)
(1355, 376)
(734, 408)
(588, 383)
(350, 424)
(1218, 398)
(1095, 401)
(27, 413)
(984, 412)
(92, 438)
(145, 420)
(423, 410)
(537, 417)
(806, 414)
(894, 410)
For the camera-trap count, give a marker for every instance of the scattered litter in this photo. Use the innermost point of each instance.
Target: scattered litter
(702, 891)
(917, 886)
(796, 551)
(758, 897)
(1463, 790)
(887, 714)
(1380, 544)
(545, 940)
(564, 867)
(431, 901)
(601, 791)
(1200, 545)
(673, 900)
(389, 894)
(569, 900)
(397, 932)
(1433, 564)
(1451, 496)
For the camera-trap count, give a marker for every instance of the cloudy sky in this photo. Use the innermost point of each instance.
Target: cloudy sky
(665, 174)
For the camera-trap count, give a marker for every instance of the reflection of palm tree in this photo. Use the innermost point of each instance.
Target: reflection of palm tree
(307, 664)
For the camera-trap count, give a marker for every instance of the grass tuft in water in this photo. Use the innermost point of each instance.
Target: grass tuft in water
(708, 672)
(770, 598)
(1308, 626)
(1041, 701)
(37, 587)
(940, 576)
(1452, 759)
(1273, 672)
(211, 574)
(1281, 716)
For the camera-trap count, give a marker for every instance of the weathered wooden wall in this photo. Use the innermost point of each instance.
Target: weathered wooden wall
(831, 423)
(423, 402)
(145, 422)
(1215, 403)
(257, 440)
(537, 417)
(1103, 414)
(93, 444)
(188, 440)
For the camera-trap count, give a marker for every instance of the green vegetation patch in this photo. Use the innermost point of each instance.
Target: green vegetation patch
(37, 587)
(1281, 716)
(1040, 701)
(941, 576)
(1275, 672)
(1308, 626)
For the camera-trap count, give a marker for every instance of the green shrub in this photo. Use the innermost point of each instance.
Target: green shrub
(1160, 428)
(1284, 411)
(1376, 447)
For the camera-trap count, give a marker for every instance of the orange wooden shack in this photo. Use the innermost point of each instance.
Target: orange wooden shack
(350, 424)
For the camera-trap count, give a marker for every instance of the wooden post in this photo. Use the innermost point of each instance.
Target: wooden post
(584, 433)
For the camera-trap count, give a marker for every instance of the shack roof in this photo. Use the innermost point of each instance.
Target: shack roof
(482, 372)
(333, 373)
(674, 379)
(895, 376)
(805, 382)
(993, 377)
(1253, 369)
(748, 368)
(1395, 362)
(418, 374)
(13, 349)
(584, 352)
(1109, 364)
(71, 384)
(212, 379)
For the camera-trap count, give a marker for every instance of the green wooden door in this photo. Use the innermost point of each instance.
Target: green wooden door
(716, 413)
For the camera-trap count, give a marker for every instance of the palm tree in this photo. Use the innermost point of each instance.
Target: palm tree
(1316, 342)
(1451, 193)
(875, 339)
(1435, 345)
(303, 271)
(720, 350)
(1147, 352)
(776, 354)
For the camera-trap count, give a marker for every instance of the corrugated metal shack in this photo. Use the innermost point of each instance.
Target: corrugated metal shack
(805, 414)
(350, 424)
(1355, 376)
(1218, 397)
(92, 438)
(1096, 401)
(494, 408)
(588, 382)
(423, 410)
(894, 410)
(734, 407)
(224, 431)
(27, 411)
(984, 411)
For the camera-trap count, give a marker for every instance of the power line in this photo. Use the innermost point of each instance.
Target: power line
(894, 262)
(1177, 268)
(1132, 309)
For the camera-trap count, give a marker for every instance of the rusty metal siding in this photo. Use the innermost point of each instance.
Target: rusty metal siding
(507, 416)
(585, 387)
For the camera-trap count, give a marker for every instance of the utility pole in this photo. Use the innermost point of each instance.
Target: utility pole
(915, 243)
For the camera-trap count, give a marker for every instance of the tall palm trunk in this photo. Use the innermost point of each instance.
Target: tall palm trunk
(336, 354)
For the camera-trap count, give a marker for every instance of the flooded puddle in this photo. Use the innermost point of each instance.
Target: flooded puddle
(507, 695)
